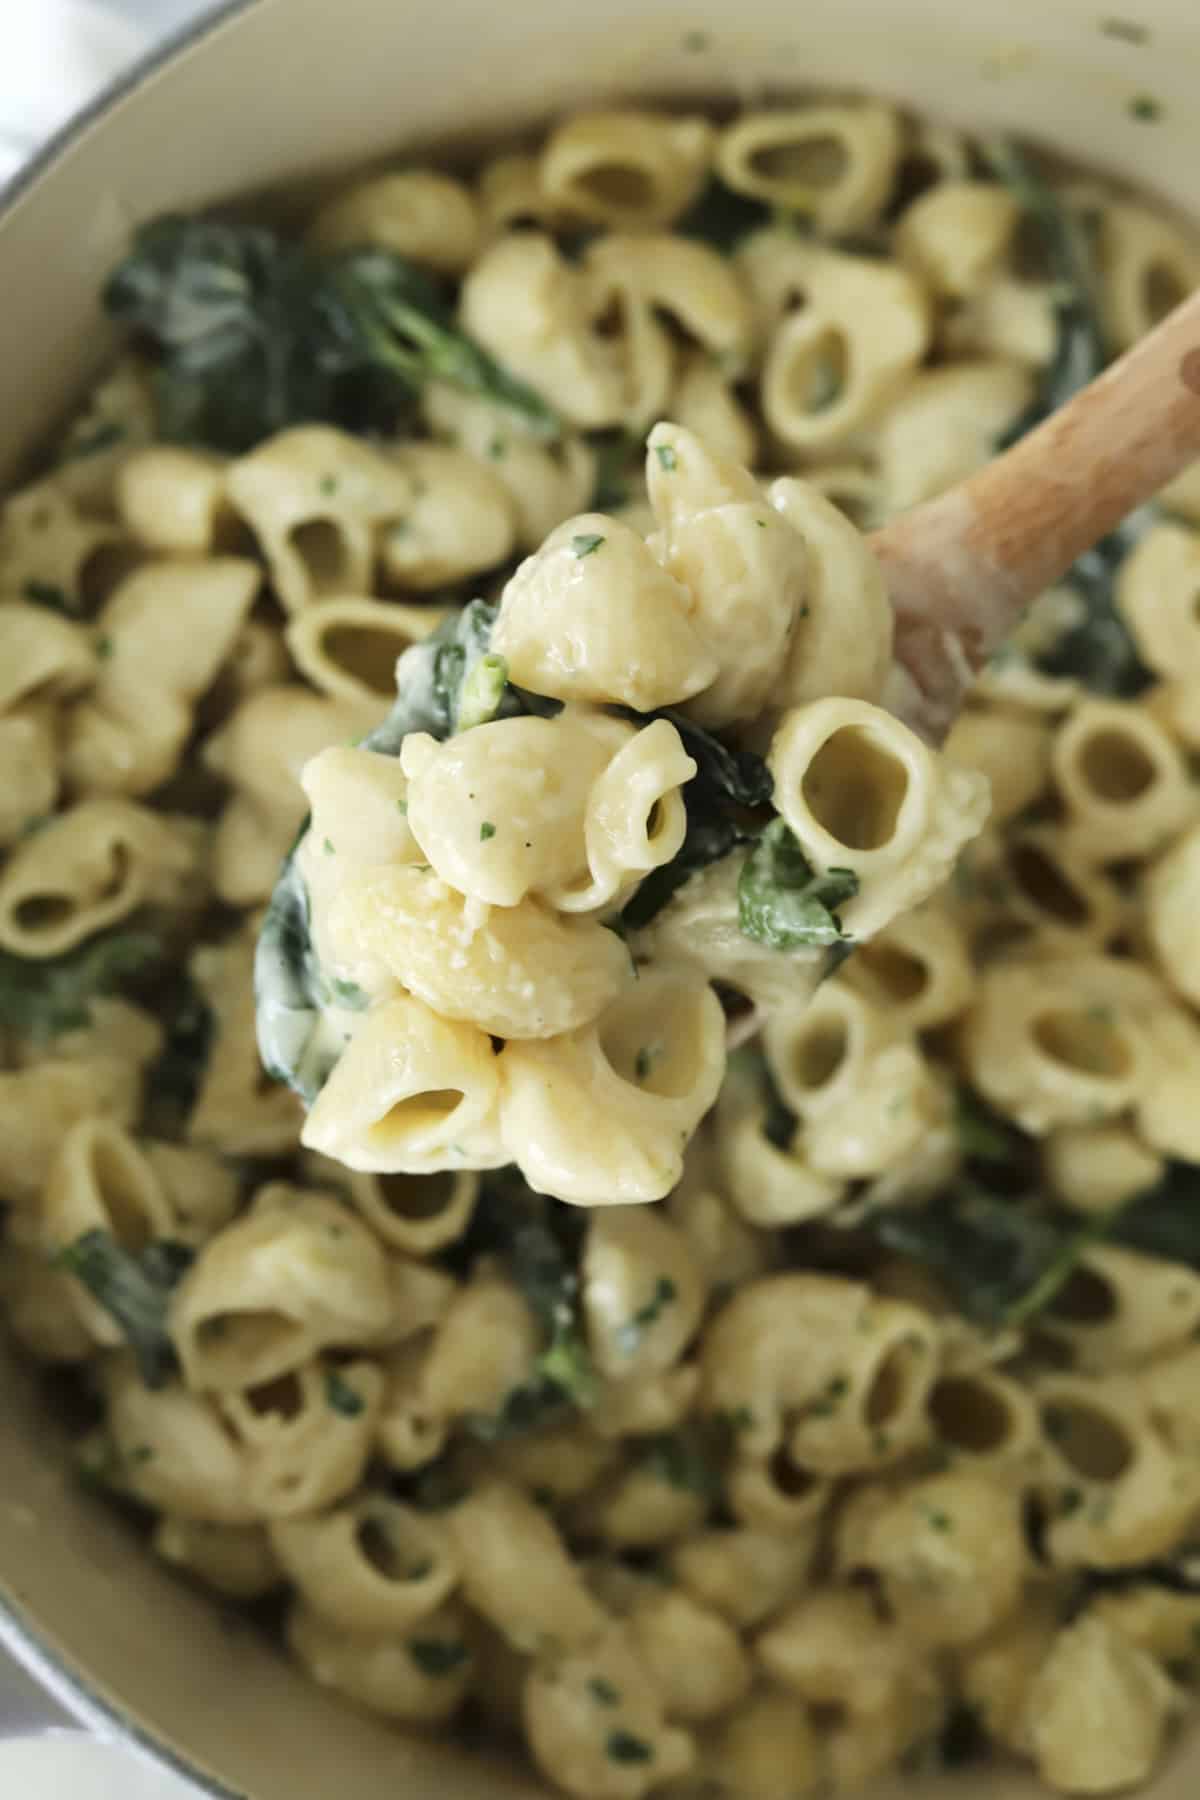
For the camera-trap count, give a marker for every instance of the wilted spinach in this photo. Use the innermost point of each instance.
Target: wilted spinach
(134, 1288)
(783, 902)
(1005, 1258)
(539, 1242)
(1062, 238)
(40, 999)
(249, 334)
(721, 218)
(1099, 650)
(721, 800)
(1002, 1259)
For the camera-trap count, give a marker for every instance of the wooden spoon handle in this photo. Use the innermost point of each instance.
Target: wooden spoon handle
(961, 568)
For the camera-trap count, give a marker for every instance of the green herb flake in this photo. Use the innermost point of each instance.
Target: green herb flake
(104, 646)
(1146, 109)
(436, 1657)
(328, 848)
(827, 1403)
(486, 830)
(341, 1398)
(586, 543)
(603, 1692)
(623, 1747)
(141, 1454)
(937, 1520)
(497, 449)
(1126, 31)
(696, 42)
(52, 597)
(328, 484)
(782, 902)
(630, 1334)
(348, 993)
(1070, 1502)
(667, 458)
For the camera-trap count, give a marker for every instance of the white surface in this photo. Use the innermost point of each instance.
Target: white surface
(57, 53)
(66, 1766)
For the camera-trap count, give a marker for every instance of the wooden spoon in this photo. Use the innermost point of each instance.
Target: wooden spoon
(962, 568)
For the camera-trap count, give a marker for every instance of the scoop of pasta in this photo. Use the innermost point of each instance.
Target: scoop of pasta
(656, 778)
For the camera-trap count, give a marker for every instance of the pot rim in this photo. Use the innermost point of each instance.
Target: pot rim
(66, 1683)
(183, 37)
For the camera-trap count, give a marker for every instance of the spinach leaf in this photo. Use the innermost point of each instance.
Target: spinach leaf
(721, 800)
(383, 314)
(539, 1241)
(1005, 1259)
(1165, 1220)
(984, 1137)
(781, 901)
(40, 999)
(52, 597)
(688, 1460)
(616, 454)
(722, 218)
(134, 1288)
(250, 333)
(1080, 352)
(1002, 1259)
(1099, 650)
(175, 1078)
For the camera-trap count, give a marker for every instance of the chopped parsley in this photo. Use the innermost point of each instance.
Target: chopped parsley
(1127, 31)
(937, 1519)
(437, 1656)
(328, 848)
(630, 1334)
(603, 1692)
(586, 543)
(348, 993)
(666, 457)
(1146, 109)
(486, 830)
(341, 1397)
(104, 646)
(328, 484)
(827, 1402)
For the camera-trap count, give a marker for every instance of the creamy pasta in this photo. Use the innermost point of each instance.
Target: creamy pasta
(731, 1425)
